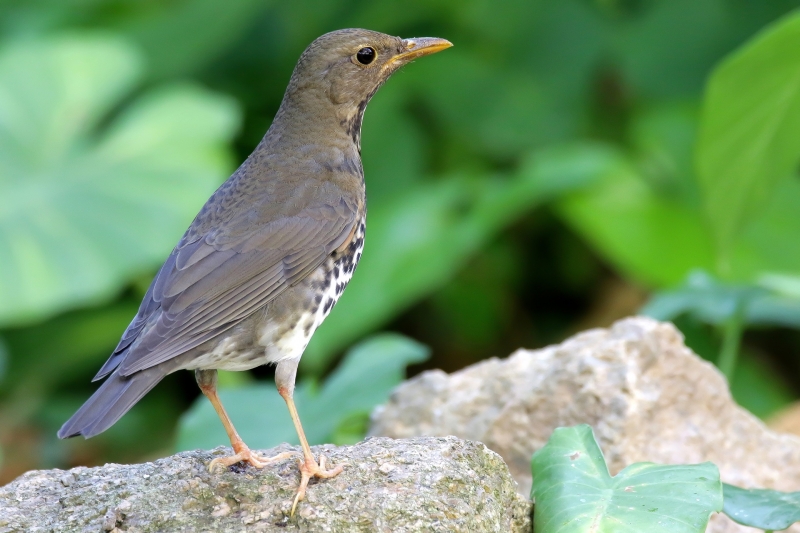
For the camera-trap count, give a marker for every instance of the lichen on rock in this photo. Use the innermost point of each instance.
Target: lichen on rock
(423, 484)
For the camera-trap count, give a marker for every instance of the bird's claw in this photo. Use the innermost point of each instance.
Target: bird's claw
(308, 469)
(245, 455)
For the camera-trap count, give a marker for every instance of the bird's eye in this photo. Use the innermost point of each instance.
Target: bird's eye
(366, 55)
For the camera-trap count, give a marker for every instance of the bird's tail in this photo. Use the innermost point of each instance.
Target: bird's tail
(112, 400)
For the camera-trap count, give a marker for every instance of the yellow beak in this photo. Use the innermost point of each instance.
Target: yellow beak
(421, 46)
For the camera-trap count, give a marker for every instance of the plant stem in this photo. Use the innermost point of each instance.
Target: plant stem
(731, 339)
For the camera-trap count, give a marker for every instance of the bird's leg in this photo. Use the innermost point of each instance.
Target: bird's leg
(285, 374)
(207, 381)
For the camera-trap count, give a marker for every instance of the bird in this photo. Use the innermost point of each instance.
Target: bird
(270, 252)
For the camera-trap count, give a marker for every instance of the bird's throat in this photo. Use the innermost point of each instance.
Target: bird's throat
(352, 123)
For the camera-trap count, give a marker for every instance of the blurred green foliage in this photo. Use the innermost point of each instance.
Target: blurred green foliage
(335, 411)
(561, 163)
(85, 207)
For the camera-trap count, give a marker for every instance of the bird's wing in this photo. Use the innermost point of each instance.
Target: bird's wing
(213, 280)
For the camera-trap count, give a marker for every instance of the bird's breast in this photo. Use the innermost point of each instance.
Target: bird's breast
(288, 322)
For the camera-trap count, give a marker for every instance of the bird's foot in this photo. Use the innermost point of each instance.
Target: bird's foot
(245, 455)
(308, 469)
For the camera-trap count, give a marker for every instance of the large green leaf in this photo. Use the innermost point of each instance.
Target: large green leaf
(663, 137)
(765, 245)
(418, 240)
(654, 239)
(657, 237)
(645, 214)
(749, 128)
(363, 380)
(574, 492)
(761, 508)
(84, 207)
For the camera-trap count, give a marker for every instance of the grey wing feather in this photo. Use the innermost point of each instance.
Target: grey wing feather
(210, 283)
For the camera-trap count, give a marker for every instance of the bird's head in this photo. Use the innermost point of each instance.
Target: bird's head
(345, 68)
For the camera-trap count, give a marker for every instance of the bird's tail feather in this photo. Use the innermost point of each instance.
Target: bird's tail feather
(112, 400)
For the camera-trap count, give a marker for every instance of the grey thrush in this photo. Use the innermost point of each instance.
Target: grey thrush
(270, 252)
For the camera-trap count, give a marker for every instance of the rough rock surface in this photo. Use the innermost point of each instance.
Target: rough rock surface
(647, 396)
(422, 484)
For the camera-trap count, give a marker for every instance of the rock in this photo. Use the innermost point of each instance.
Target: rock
(647, 396)
(422, 484)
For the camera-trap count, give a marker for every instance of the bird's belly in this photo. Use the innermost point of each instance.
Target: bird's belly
(290, 320)
(283, 328)
(230, 351)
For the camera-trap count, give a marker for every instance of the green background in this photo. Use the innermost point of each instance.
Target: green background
(567, 163)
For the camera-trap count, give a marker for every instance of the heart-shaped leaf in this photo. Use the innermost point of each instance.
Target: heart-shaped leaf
(84, 206)
(574, 492)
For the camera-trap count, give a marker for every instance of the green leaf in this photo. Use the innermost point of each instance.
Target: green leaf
(765, 245)
(715, 302)
(749, 129)
(575, 493)
(664, 137)
(363, 380)
(652, 238)
(83, 208)
(783, 284)
(419, 239)
(645, 213)
(761, 508)
(703, 297)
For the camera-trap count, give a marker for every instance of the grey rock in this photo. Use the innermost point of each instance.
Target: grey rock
(422, 484)
(647, 396)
